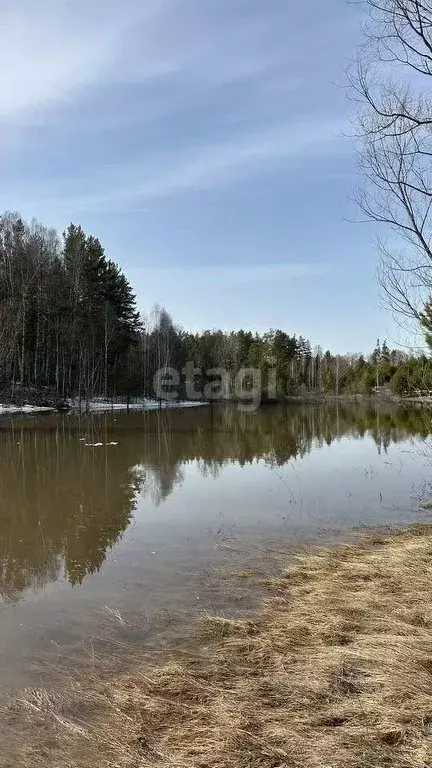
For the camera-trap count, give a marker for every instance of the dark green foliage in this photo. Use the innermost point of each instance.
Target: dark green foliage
(68, 313)
(69, 327)
(413, 377)
(367, 381)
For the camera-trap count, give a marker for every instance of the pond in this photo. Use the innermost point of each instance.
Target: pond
(121, 514)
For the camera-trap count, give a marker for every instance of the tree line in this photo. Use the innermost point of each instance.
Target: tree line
(70, 328)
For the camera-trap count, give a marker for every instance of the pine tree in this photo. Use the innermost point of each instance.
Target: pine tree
(376, 354)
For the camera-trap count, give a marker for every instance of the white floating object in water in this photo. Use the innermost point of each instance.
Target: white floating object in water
(112, 443)
(94, 445)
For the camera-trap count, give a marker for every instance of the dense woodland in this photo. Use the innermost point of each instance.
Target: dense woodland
(70, 328)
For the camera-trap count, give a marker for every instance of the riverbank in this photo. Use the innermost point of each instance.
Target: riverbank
(333, 670)
(96, 406)
(10, 409)
(387, 399)
(145, 404)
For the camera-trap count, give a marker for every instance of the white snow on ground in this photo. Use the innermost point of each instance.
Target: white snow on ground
(140, 405)
(97, 445)
(23, 409)
(101, 405)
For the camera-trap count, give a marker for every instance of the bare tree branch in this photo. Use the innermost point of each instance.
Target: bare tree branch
(394, 127)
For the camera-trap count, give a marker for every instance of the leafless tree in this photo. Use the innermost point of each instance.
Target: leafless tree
(390, 82)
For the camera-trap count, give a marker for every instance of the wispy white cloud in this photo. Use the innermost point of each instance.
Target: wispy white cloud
(40, 59)
(204, 167)
(52, 48)
(113, 107)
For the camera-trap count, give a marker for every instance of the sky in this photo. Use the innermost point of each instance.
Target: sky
(206, 143)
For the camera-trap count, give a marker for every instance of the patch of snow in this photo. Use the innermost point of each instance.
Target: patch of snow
(98, 445)
(139, 405)
(189, 403)
(24, 409)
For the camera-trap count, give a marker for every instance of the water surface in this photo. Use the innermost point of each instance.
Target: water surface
(139, 526)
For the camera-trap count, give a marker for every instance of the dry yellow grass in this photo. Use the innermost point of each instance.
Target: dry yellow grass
(335, 671)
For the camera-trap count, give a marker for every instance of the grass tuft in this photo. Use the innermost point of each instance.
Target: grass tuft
(335, 671)
(217, 627)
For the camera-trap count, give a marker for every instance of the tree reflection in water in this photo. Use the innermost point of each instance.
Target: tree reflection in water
(64, 505)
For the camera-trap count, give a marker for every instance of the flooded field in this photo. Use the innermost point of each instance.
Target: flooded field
(118, 515)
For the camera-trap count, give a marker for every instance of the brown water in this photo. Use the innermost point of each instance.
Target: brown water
(140, 527)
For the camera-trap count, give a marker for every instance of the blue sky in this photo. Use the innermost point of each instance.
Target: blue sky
(203, 142)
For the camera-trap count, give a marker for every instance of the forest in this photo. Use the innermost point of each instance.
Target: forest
(70, 328)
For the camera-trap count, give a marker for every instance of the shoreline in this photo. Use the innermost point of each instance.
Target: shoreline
(331, 668)
(358, 399)
(146, 404)
(95, 406)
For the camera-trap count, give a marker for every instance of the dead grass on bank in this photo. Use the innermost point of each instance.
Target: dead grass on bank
(335, 671)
